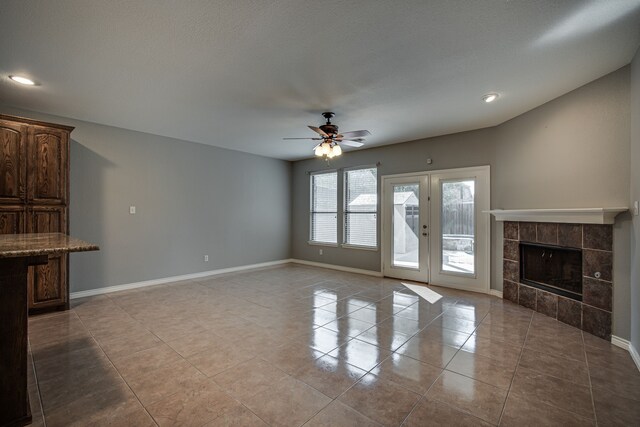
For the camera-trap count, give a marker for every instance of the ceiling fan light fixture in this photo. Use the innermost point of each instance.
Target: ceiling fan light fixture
(490, 97)
(329, 136)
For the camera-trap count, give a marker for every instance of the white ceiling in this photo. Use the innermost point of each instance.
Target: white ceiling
(243, 74)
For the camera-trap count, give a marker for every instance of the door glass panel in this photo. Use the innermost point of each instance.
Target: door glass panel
(406, 225)
(458, 226)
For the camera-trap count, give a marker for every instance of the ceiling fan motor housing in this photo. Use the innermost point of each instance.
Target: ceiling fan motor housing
(329, 129)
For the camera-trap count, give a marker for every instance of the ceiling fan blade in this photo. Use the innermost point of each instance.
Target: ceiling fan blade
(313, 139)
(340, 138)
(350, 143)
(355, 133)
(318, 131)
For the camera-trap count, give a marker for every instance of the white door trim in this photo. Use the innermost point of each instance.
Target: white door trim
(422, 273)
(481, 217)
(479, 281)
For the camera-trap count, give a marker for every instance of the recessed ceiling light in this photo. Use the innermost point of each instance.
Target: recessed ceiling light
(490, 97)
(22, 80)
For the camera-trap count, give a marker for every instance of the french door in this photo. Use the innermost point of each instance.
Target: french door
(434, 227)
(406, 227)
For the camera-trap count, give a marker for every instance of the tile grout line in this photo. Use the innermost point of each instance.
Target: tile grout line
(593, 401)
(473, 379)
(35, 377)
(557, 356)
(424, 396)
(513, 378)
(116, 369)
(382, 361)
(182, 357)
(35, 372)
(421, 396)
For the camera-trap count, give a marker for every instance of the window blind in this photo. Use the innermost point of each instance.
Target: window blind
(361, 207)
(324, 207)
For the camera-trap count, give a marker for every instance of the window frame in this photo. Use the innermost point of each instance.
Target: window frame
(345, 211)
(311, 211)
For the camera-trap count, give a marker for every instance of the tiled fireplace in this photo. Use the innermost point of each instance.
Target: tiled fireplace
(561, 270)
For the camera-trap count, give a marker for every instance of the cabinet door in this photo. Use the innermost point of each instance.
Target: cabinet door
(11, 219)
(12, 162)
(47, 171)
(47, 282)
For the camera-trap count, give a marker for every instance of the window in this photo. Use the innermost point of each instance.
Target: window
(361, 207)
(324, 207)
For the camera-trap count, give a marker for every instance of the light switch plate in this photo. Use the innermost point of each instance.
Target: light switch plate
(132, 210)
(636, 208)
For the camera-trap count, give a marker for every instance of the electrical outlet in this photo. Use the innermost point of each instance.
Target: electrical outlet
(320, 251)
(132, 210)
(206, 258)
(636, 209)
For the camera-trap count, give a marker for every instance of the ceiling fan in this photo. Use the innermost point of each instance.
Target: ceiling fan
(330, 137)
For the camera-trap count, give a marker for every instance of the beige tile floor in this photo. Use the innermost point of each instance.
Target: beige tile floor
(306, 346)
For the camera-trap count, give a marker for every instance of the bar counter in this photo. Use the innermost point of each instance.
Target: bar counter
(17, 253)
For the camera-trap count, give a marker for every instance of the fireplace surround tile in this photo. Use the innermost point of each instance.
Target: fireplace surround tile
(546, 303)
(527, 231)
(511, 230)
(596, 321)
(570, 312)
(593, 313)
(547, 233)
(598, 236)
(510, 291)
(570, 235)
(594, 261)
(597, 293)
(527, 296)
(511, 270)
(511, 250)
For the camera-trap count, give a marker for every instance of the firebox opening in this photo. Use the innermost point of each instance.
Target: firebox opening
(552, 268)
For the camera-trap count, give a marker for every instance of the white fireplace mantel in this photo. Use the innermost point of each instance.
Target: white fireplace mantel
(572, 216)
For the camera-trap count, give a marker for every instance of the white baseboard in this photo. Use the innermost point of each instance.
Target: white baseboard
(126, 286)
(624, 344)
(338, 267)
(495, 293)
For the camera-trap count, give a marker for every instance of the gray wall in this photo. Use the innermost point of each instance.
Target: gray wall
(635, 195)
(191, 200)
(241, 209)
(570, 152)
(450, 151)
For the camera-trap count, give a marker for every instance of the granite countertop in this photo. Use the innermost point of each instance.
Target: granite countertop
(35, 244)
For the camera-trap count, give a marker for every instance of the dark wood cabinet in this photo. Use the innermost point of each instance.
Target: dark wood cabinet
(34, 197)
(46, 219)
(12, 219)
(13, 165)
(47, 152)
(47, 282)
